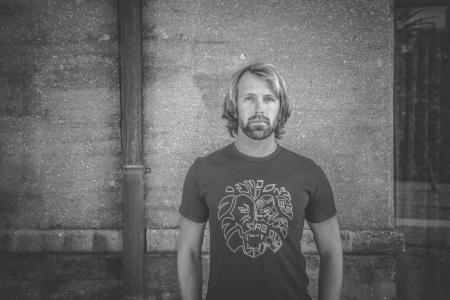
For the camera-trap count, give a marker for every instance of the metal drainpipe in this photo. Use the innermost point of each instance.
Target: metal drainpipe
(130, 63)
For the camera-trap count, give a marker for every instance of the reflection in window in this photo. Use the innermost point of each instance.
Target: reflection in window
(422, 148)
(422, 113)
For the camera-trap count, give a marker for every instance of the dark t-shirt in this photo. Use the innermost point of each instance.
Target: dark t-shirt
(256, 209)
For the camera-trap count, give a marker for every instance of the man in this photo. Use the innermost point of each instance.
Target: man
(256, 196)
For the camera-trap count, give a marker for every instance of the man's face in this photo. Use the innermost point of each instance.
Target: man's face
(257, 107)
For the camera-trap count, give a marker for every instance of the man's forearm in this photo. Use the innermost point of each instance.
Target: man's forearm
(330, 277)
(190, 276)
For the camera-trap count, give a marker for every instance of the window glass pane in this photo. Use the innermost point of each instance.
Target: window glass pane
(422, 150)
(422, 114)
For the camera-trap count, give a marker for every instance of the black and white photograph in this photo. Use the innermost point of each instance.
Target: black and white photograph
(224, 149)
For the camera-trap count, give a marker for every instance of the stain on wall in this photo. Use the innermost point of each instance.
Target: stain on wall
(59, 115)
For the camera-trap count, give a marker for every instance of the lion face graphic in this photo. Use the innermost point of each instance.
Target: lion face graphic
(255, 217)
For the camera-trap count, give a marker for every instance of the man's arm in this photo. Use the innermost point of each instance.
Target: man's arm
(189, 259)
(328, 242)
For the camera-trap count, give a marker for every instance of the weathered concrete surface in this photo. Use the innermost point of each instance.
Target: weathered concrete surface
(59, 115)
(44, 277)
(336, 57)
(366, 277)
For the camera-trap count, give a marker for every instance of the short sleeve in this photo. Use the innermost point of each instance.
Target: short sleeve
(321, 204)
(193, 206)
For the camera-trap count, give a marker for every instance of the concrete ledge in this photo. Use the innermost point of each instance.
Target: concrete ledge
(61, 241)
(357, 242)
(422, 236)
(164, 240)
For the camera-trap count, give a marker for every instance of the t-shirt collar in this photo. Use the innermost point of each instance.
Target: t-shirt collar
(252, 158)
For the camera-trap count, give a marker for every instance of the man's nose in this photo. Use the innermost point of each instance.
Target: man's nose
(259, 106)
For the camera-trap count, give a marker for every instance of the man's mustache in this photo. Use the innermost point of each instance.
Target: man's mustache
(259, 118)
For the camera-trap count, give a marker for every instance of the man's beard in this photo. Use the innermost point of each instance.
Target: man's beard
(257, 130)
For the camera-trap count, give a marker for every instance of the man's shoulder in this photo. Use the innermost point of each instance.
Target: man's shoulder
(219, 153)
(303, 164)
(298, 158)
(217, 156)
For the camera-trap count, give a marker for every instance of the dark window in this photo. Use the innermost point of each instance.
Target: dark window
(422, 147)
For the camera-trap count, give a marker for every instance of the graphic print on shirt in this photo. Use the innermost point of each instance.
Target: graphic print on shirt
(255, 217)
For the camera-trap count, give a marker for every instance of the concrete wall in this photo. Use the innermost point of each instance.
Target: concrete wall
(60, 115)
(60, 182)
(60, 164)
(337, 60)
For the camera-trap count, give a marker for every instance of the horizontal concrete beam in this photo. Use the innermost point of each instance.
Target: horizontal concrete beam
(164, 240)
(61, 241)
(357, 242)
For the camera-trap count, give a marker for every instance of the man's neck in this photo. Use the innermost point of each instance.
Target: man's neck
(255, 148)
